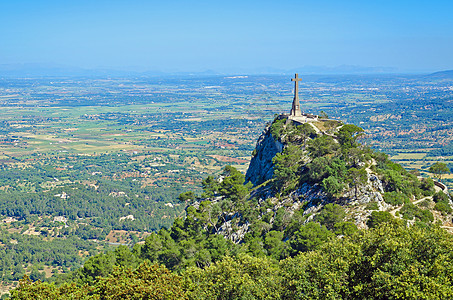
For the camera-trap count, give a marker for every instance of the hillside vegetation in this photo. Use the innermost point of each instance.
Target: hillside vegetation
(336, 220)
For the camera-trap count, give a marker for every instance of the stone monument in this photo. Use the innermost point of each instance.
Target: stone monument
(295, 110)
(296, 114)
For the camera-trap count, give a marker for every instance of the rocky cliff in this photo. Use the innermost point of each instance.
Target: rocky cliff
(261, 168)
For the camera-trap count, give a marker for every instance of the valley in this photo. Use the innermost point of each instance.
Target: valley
(91, 163)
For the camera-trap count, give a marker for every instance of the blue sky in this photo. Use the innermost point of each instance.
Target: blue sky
(228, 35)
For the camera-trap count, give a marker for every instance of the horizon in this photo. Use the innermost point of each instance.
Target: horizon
(52, 70)
(229, 38)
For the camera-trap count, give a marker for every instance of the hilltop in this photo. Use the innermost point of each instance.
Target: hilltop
(299, 171)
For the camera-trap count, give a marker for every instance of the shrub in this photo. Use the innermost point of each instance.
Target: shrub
(410, 211)
(345, 228)
(332, 186)
(395, 198)
(427, 184)
(440, 197)
(443, 207)
(277, 128)
(330, 215)
(372, 206)
(379, 217)
(309, 237)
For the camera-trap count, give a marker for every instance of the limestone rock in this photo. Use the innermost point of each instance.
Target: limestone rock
(261, 167)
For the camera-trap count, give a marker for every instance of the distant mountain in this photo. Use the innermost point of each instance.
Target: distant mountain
(313, 70)
(35, 69)
(448, 74)
(59, 70)
(343, 69)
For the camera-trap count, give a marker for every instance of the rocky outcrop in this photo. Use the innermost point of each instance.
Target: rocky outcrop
(261, 167)
(312, 197)
(234, 230)
(359, 199)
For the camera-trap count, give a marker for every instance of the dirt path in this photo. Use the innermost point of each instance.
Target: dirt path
(314, 127)
(420, 200)
(393, 212)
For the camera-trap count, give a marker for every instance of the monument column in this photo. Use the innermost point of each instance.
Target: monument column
(295, 110)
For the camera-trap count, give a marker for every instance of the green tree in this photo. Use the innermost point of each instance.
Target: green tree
(427, 185)
(379, 217)
(322, 146)
(438, 169)
(332, 186)
(97, 266)
(125, 258)
(354, 156)
(395, 198)
(309, 237)
(210, 187)
(330, 215)
(273, 243)
(18, 271)
(245, 277)
(148, 281)
(277, 128)
(357, 177)
(348, 135)
(443, 207)
(442, 203)
(306, 131)
(318, 169)
(36, 275)
(232, 185)
(345, 228)
(287, 167)
(187, 197)
(27, 289)
(387, 262)
(323, 115)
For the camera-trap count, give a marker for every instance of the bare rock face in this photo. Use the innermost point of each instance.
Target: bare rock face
(261, 167)
(234, 230)
(234, 227)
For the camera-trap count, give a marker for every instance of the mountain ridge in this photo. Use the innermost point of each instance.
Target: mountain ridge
(447, 74)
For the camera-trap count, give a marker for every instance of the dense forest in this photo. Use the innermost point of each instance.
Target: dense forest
(391, 261)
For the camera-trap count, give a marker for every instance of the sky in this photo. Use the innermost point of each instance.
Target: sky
(186, 35)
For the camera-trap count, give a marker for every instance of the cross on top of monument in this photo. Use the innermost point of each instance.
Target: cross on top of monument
(296, 78)
(295, 110)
